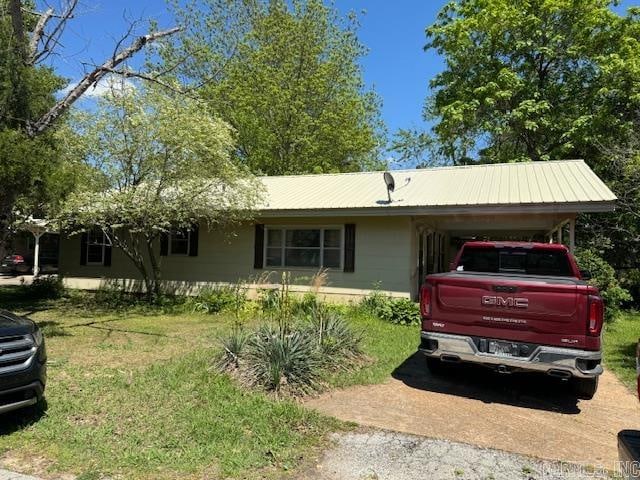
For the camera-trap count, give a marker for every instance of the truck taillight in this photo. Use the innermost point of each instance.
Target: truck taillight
(596, 315)
(425, 301)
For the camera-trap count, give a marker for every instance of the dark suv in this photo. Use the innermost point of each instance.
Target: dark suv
(23, 362)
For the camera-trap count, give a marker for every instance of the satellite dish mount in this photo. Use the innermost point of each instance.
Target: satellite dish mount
(391, 184)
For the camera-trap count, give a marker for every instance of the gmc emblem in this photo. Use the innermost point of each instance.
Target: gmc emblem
(513, 302)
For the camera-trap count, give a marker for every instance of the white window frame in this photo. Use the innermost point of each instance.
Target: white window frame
(103, 244)
(170, 240)
(284, 228)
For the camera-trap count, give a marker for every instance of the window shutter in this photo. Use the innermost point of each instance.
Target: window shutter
(84, 238)
(107, 255)
(258, 253)
(349, 247)
(164, 244)
(193, 241)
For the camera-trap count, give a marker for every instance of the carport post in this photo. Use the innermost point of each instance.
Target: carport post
(572, 235)
(36, 255)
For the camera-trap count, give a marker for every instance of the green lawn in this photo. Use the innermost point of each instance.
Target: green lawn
(620, 340)
(134, 393)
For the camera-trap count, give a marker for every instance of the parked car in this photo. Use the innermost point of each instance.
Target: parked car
(515, 306)
(23, 265)
(23, 359)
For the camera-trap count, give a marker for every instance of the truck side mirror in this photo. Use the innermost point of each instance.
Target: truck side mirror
(585, 274)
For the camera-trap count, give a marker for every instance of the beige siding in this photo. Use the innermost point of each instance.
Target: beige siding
(383, 257)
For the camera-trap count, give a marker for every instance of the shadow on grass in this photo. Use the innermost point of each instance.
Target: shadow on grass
(527, 390)
(17, 420)
(19, 298)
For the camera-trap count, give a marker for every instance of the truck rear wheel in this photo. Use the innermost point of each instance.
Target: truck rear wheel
(435, 365)
(584, 388)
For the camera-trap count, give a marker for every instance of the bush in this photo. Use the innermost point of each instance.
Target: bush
(400, 311)
(113, 297)
(339, 345)
(280, 359)
(306, 305)
(232, 348)
(291, 357)
(49, 288)
(604, 278)
(269, 300)
(215, 300)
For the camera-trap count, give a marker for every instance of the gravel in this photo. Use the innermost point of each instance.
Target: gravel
(381, 455)
(7, 475)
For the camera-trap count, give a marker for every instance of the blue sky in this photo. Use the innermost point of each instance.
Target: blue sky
(393, 31)
(396, 66)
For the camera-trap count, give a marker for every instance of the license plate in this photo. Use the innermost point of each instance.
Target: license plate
(503, 349)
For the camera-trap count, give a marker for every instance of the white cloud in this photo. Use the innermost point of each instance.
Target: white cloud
(107, 84)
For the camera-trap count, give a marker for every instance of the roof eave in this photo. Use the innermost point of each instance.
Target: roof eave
(566, 207)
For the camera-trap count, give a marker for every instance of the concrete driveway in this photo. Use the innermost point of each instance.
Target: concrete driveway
(525, 414)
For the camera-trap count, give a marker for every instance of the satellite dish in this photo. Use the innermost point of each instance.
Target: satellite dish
(391, 184)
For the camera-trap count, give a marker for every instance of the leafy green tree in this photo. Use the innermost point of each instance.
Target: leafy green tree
(286, 76)
(26, 163)
(35, 171)
(541, 80)
(534, 80)
(162, 163)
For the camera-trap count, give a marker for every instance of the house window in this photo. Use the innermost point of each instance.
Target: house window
(303, 247)
(96, 246)
(179, 242)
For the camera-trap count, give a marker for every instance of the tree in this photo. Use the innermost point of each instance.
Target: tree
(162, 163)
(31, 160)
(542, 80)
(535, 80)
(286, 76)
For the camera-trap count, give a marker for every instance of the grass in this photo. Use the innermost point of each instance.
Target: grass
(132, 393)
(620, 340)
(386, 345)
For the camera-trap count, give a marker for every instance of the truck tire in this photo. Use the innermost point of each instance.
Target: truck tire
(435, 365)
(584, 388)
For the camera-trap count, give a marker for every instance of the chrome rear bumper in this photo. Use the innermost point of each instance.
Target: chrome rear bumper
(557, 361)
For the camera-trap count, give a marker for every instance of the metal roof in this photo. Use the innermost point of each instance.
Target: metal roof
(556, 186)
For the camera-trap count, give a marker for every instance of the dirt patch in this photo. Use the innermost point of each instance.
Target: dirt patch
(527, 414)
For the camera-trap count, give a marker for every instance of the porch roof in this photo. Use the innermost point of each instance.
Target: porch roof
(532, 187)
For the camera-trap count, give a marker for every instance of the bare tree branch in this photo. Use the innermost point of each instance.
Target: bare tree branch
(155, 78)
(38, 33)
(94, 77)
(51, 39)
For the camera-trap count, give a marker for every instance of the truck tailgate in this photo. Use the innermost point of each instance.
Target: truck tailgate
(510, 307)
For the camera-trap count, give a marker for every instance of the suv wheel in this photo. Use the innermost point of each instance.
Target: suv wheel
(584, 388)
(435, 365)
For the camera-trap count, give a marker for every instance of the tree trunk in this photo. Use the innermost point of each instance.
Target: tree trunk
(155, 268)
(130, 247)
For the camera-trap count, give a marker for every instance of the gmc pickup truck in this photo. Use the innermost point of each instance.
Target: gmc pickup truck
(515, 306)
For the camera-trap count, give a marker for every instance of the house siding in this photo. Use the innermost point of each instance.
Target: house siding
(383, 259)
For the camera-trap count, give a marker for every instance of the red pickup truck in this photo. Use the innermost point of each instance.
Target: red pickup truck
(515, 306)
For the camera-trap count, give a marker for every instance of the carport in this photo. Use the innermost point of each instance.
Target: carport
(510, 202)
